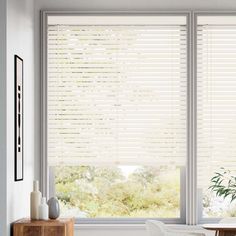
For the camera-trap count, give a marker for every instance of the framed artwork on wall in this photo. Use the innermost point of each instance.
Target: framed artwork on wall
(19, 115)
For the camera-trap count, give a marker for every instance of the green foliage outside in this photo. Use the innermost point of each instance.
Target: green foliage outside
(87, 191)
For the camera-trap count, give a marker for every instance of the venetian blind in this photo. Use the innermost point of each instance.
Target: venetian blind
(216, 99)
(117, 94)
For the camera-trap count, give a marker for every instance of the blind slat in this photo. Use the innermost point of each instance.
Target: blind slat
(216, 99)
(117, 94)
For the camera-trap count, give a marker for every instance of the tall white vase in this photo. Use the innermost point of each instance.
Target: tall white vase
(35, 200)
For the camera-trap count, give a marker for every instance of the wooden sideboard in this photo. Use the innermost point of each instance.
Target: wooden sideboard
(59, 227)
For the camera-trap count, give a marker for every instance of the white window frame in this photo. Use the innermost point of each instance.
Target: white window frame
(190, 213)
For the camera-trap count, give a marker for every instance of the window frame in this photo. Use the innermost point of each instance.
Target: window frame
(190, 212)
(46, 175)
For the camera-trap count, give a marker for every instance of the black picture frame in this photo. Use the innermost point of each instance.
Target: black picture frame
(19, 118)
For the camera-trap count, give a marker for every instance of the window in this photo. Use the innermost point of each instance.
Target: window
(139, 114)
(117, 92)
(216, 108)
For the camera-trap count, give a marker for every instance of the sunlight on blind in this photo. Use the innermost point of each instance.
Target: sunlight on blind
(117, 94)
(216, 100)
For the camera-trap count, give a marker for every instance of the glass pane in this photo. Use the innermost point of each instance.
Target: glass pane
(216, 114)
(118, 191)
(117, 114)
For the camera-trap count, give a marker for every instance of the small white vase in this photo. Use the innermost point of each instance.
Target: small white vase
(35, 199)
(43, 210)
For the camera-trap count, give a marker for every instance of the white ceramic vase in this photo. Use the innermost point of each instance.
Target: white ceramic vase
(35, 200)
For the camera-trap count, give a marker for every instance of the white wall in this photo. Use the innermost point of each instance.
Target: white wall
(110, 5)
(2, 117)
(20, 41)
(141, 5)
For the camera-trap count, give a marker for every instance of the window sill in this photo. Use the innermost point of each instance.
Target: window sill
(132, 226)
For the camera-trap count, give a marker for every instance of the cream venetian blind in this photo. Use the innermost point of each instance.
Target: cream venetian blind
(216, 96)
(117, 91)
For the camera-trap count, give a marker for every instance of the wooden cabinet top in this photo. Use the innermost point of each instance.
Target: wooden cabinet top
(57, 222)
(59, 227)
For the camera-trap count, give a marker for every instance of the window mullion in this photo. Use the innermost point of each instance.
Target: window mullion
(191, 190)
